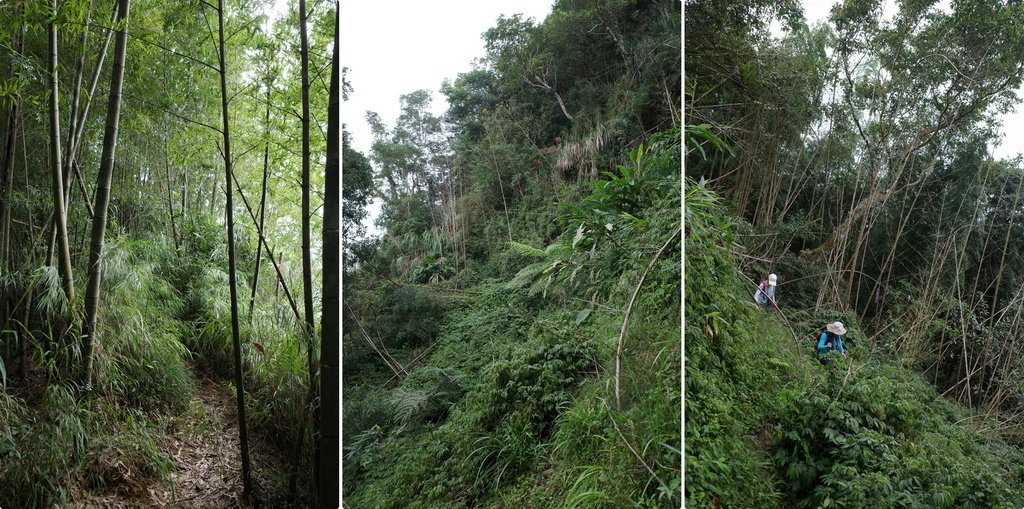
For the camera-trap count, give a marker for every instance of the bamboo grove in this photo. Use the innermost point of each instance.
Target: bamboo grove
(863, 150)
(168, 215)
(854, 156)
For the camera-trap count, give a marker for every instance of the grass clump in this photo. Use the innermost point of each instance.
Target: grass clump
(40, 447)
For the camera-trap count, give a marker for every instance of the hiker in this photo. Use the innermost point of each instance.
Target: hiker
(765, 295)
(831, 340)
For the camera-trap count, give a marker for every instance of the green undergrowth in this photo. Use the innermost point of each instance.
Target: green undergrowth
(503, 391)
(142, 360)
(53, 445)
(513, 408)
(164, 313)
(53, 450)
(767, 425)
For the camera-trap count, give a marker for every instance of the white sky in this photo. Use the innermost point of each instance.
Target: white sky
(1012, 123)
(394, 47)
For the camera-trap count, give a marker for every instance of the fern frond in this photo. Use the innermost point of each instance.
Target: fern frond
(528, 250)
(558, 250)
(527, 274)
(409, 402)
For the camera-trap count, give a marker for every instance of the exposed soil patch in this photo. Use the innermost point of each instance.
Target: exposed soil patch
(202, 444)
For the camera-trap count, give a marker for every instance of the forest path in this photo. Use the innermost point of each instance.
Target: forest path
(202, 444)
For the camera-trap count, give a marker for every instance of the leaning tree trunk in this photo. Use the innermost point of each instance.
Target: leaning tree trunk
(229, 218)
(99, 220)
(263, 205)
(60, 217)
(326, 414)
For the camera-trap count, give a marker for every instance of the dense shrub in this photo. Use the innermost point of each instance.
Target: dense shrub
(879, 437)
(140, 350)
(406, 316)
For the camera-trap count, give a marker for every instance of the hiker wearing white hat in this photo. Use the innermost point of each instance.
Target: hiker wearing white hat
(765, 295)
(831, 339)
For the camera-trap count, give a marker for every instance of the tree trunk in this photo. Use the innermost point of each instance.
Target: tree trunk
(60, 219)
(184, 193)
(99, 220)
(307, 262)
(243, 434)
(325, 415)
(8, 182)
(170, 199)
(263, 206)
(213, 198)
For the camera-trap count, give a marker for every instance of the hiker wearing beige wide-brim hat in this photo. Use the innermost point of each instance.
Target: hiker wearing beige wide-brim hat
(831, 339)
(836, 328)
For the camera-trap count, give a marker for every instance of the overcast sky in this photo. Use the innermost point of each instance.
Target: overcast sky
(394, 47)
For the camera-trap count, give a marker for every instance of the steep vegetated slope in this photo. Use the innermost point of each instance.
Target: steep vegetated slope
(512, 340)
(850, 156)
(768, 426)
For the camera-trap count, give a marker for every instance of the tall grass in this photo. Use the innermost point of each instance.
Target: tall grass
(161, 309)
(141, 358)
(40, 447)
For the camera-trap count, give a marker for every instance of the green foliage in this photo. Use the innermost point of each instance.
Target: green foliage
(880, 435)
(469, 97)
(519, 204)
(407, 315)
(39, 449)
(140, 352)
(479, 334)
(432, 269)
(528, 389)
(357, 191)
(767, 426)
(427, 394)
(631, 207)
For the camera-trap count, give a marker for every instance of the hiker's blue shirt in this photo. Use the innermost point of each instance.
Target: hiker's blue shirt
(837, 343)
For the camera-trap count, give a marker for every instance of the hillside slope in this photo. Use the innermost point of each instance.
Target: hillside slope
(768, 426)
(484, 390)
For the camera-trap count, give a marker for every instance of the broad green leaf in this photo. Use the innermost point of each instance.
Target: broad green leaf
(583, 315)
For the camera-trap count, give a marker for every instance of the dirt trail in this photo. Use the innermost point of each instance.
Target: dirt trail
(202, 443)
